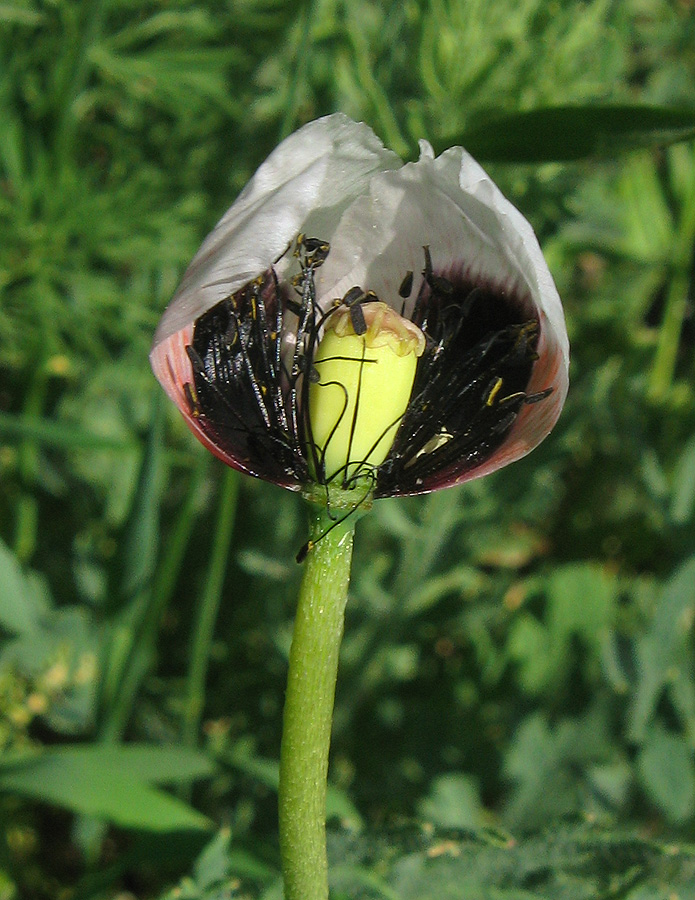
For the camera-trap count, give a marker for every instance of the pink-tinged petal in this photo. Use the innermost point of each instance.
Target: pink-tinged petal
(172, 368)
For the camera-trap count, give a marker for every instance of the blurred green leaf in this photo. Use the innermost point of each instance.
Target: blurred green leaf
(212, 866)
(140, 539)
(568, 133)
(131, 643)
(683, 501)
(664, 658)
(213, 876)
(8, 888)
(453, 802)
(581, 602)
(551, 763)
(21, 605)
(58, 434)
(58, 660)
(666, 768)
(528, 645)
(112, 783)
(650, 229)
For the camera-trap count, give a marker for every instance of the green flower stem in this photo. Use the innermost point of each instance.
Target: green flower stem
(313, 669)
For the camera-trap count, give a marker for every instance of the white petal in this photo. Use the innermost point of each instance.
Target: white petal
(382, 234)
(305, 184)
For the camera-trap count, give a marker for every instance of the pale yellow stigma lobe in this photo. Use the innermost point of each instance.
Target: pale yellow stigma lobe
(385, 328)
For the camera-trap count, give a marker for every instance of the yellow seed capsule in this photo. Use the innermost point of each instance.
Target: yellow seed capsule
(363, 389)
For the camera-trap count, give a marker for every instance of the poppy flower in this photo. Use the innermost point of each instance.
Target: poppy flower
(356, 320)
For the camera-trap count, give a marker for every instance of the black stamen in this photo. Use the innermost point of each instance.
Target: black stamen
(406, 288)
(536, 398)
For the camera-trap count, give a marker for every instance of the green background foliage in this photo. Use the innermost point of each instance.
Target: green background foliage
(518, 651)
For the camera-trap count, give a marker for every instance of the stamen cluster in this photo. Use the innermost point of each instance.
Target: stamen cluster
(254, 361)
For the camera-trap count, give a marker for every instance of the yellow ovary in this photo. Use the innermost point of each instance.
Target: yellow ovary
(363, 389)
